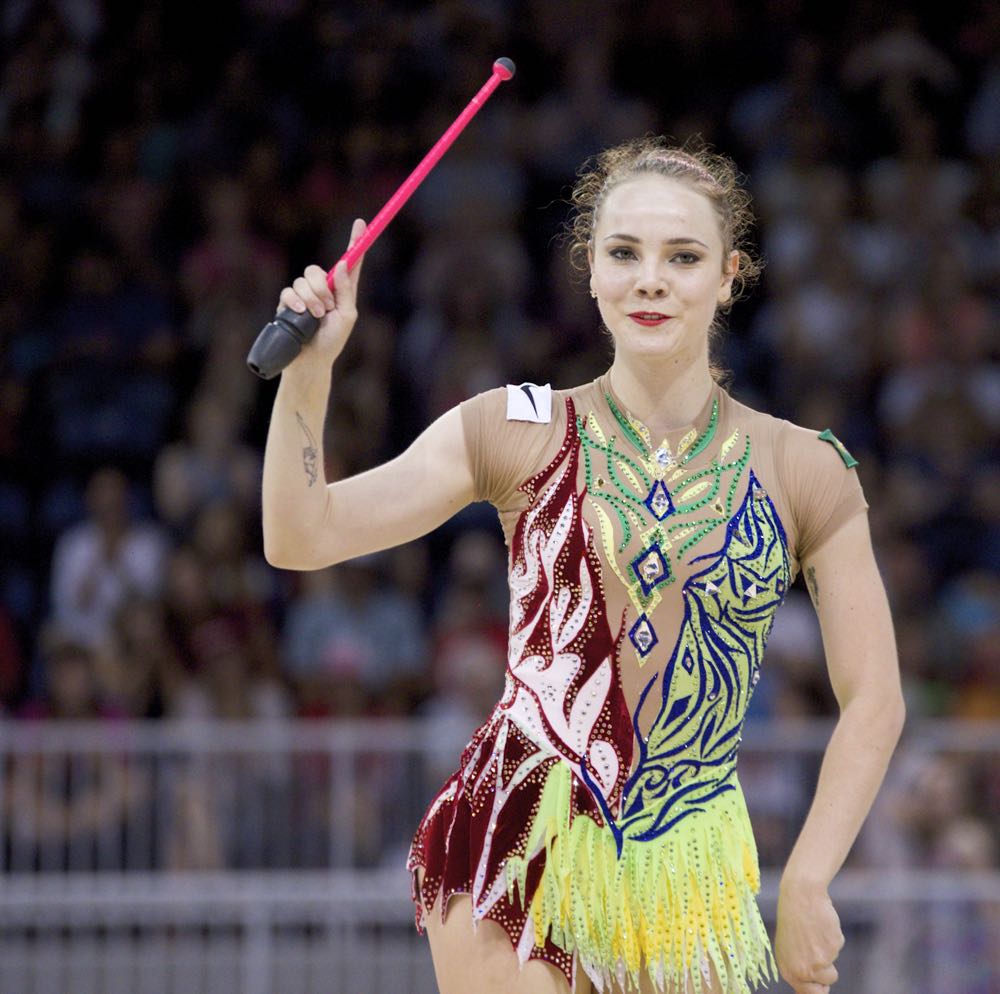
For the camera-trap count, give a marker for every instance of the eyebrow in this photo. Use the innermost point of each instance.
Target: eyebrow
(666, 241)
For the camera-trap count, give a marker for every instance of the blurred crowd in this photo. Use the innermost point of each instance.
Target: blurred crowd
(161, 182)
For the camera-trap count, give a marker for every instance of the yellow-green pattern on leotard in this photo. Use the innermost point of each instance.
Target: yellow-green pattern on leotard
(674, 867)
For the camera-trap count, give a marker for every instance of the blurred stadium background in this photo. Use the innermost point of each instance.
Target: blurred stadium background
(210, 769)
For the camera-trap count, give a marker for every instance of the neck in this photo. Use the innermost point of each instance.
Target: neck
(661, 399)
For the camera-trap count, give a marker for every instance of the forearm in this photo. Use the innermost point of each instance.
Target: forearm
(376, 509)
(295, 499)
(852, 771)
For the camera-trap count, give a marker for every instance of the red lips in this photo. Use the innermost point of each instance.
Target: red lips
(649, 319)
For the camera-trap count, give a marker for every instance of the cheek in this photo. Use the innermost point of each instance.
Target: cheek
(610, 282)
(703, 288)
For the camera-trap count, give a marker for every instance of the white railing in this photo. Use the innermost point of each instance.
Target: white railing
(309, 932)
(267, 858)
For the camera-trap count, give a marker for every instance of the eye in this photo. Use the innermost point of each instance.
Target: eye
(621, 254)
(687, 258)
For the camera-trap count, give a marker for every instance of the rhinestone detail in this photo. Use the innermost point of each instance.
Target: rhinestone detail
(643, 636)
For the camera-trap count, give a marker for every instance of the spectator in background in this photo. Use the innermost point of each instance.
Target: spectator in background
(217, 337)
(108, 388)
(894, 62)
(467, 325)
(223, 273)
(218, 614)
(348, 629)
(224, 682)
(237, 578)
(467, 677)
(796, 689)
(923, 796)
(12, 668)
(69, 688)
(473, 599)
(587, 110)
(936, 812)
(187, 599)
(210, 464)
(103, 561)
(970, 626)
(959, 950)
(768, 118)
(67, 810)
(928, 683)
(232, 260)
(799, 687)
(138, 668)
(367, 396)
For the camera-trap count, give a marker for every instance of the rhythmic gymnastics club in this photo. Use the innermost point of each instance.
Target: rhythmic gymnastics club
(281, 340)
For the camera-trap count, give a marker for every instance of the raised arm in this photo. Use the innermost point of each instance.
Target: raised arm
(309, 524)
(860, 647)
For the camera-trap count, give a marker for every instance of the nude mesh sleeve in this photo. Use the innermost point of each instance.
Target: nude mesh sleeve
(823, 493)
(503, 454)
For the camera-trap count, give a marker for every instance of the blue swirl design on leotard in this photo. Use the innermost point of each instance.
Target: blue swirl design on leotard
(689, 755)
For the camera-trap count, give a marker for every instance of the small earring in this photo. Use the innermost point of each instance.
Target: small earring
(593, 294)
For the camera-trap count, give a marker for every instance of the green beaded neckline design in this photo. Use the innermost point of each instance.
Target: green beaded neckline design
(656, 494)
(638, 434)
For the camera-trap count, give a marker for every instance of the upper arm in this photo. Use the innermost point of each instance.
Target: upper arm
(397, 501)
(854, 617)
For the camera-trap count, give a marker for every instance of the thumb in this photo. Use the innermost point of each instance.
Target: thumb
(357, 230)
(343, 288)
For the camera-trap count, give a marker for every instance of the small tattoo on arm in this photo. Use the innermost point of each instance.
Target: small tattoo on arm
(813, 585)
(310, 456)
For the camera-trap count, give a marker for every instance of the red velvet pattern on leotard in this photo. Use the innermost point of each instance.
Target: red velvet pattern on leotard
(562, 703)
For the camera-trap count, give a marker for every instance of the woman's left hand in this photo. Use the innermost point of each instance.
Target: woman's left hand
(808, 937)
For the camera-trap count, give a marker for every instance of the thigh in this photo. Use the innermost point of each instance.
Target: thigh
(484, 960)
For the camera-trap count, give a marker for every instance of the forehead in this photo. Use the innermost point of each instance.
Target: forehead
(657, 205)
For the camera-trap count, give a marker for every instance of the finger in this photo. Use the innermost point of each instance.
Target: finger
(810, 988)
(343, 287)
(357, 230)
(828, 975)
(289, 298)
(309, 297)
(316, 278)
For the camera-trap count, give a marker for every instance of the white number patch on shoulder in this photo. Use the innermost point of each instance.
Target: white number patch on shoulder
(529, 402)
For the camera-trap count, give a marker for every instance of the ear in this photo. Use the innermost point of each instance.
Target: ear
(728, 275)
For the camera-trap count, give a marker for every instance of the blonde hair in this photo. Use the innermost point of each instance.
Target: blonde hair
(709, 173)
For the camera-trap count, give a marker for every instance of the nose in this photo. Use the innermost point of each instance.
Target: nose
(654, 292)
(650, 283)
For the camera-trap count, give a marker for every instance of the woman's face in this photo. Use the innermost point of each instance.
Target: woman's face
(656, 266)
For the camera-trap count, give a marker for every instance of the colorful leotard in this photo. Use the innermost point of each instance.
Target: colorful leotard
(597, 815)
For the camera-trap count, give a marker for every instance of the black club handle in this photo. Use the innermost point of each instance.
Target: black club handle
(280, 341)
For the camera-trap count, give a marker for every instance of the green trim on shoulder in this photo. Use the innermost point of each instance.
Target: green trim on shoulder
(828, 436)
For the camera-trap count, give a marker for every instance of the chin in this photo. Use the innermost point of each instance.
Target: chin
(649, 345)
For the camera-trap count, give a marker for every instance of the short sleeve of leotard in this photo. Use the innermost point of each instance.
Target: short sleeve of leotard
(823, 491)
(503, 454)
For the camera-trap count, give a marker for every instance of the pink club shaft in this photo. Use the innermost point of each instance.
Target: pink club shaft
(503, 69)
